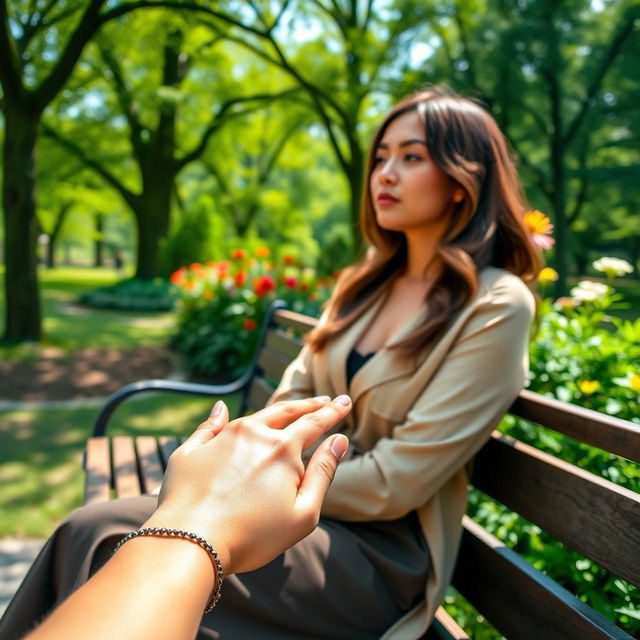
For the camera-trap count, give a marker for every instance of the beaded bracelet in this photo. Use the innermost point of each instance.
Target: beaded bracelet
(191, 537)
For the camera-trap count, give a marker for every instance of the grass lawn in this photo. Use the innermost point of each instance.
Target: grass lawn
(69, 327)
(40, 454)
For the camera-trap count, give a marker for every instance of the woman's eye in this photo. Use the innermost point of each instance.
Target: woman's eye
(412, 157)
(378, 160)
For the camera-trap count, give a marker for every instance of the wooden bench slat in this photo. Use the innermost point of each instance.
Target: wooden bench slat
(273, 364)
(520, 601)
(573, 505)
(293, 320)
(125, 467)
(98, 471)
(446, 628)
(259, 392)
(282, 343)
(151, 467)
(591, 427)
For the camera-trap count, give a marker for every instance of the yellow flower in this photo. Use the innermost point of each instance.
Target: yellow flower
(634, 382)
(588, 386)
(547, 275)
(540, 228)
(263, 252)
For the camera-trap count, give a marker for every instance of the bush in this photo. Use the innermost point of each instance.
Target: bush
(132, 295)
(222, 305)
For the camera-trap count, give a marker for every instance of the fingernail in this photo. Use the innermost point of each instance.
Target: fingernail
(344, 400)
(339, 446)
(322, 398)
(217, 408)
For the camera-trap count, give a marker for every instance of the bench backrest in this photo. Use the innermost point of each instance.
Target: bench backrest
(587, 513)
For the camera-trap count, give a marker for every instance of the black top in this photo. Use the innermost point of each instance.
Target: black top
(355, 361)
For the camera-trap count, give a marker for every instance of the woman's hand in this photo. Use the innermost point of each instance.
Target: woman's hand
(242, 485)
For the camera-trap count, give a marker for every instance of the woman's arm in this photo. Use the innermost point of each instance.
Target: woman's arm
(449, 422)
(241, 486)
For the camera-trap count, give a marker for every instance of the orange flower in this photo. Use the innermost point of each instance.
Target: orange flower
(540, 228)
(263, 252)
(304, 286)
(196, 267)
(288, 260)
(238, 254)
(208, 294)
(222, 267)
(336, 274)
(240, 278)
(211, 265)
(313, 296)
(250, 324)
(263, 285)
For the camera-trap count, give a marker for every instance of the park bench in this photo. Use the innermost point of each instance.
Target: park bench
(587, 513)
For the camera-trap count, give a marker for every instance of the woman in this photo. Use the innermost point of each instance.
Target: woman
(428, 335)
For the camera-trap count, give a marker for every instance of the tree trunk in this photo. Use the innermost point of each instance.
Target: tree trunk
(355, 178)
(22, 309)
(98, 246)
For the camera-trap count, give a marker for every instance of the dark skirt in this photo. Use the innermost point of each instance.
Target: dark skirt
(345, 580)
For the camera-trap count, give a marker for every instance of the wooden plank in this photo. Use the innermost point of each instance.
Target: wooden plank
(283, 343)
(259, 392)
(520, 601)
(168, 445)
(125, 467)
(577, 507)
(273, 364)
(98, 471)
(151, 467)
(444, 627)
(293, 320)
(591, 427)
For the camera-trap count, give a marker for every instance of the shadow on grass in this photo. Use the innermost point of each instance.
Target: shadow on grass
(41, 454)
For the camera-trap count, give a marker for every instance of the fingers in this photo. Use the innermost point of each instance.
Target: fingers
(281, 414)
(311, 426)
(319, 475)
(216, 421)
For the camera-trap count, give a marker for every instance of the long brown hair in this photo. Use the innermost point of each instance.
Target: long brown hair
(486, 227)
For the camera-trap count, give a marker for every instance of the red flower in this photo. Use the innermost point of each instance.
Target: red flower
(238, 254)
(177, 277)
(263, 285)
(250, 324)
(288, 260)
(336, 274)
(291, 282)
(304, 286)
(240, 278)
(196, 267)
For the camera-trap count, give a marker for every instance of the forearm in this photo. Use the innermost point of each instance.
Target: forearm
(174, 574)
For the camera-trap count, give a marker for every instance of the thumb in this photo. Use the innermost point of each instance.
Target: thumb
(319, 473)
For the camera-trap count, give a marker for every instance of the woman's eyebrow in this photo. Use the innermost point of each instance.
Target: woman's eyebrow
(404, 143)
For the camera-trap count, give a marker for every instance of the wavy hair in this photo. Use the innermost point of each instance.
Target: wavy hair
(486, 227)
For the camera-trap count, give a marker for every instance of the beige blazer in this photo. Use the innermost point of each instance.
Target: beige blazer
(418, 421)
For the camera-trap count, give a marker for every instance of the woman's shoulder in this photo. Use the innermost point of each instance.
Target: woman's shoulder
(501, 287)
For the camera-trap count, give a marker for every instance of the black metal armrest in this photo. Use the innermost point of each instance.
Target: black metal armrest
(172, 386)
(193, 388)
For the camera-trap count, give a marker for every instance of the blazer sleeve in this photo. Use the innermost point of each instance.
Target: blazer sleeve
(450, 420)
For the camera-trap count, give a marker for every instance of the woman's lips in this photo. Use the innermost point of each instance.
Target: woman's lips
(386, 199)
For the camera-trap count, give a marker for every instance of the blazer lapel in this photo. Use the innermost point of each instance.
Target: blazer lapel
(385, 365)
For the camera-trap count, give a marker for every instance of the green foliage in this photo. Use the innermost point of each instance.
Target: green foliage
(132, 295)
(222, 306)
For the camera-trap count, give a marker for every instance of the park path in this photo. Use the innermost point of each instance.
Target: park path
(16, 557)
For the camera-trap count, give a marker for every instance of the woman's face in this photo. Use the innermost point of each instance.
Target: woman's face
(409, 191)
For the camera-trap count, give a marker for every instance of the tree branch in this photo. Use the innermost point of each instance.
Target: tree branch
(10, 72)
(128, 196)
(222, 116)
(537, 173)
(610, 56)
(126, 103)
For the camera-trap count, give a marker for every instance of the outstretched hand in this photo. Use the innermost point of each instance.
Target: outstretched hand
(242, 484)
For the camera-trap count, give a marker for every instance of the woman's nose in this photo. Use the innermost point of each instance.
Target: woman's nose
(387, 173)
